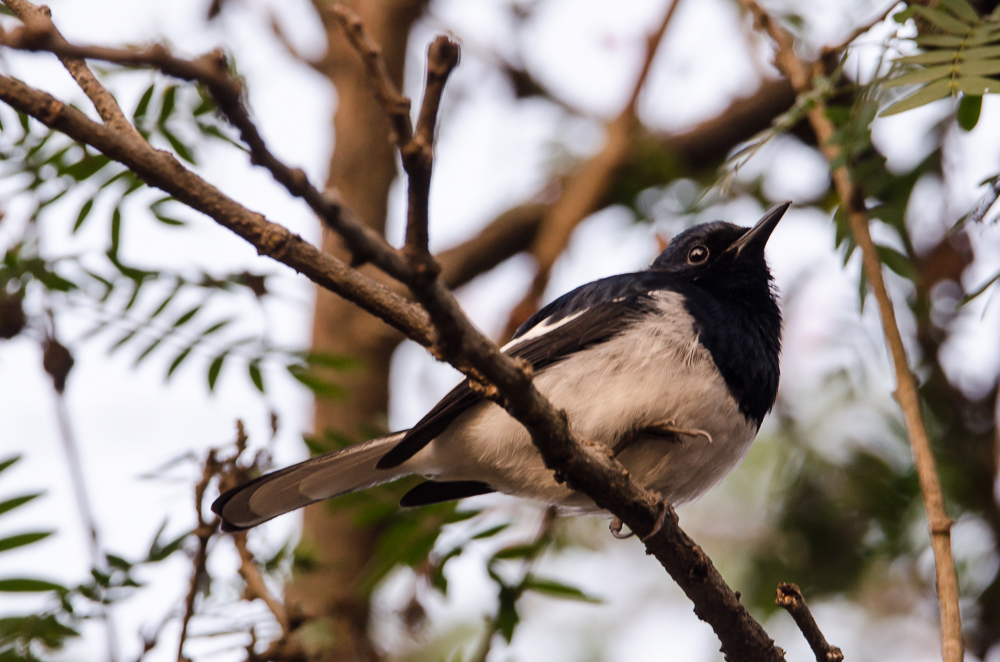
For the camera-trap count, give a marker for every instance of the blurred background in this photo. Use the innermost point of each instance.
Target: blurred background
(177, 329)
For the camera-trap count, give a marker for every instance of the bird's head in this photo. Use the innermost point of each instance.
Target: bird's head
(722, 254)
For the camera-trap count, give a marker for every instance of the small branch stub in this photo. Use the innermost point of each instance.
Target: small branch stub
(790, 598)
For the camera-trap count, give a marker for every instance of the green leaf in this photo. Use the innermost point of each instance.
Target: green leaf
(921, 76)
(336, 362)
(925, 95)
(961, 9)
(45, 630)
(214, 369)
(943, 20)
(182, 150)
(176, 363)
(897, 262)
(969, 108)
(86, 167)
(940, 40)
(556, 589)
(217, 326)
(492, 531)
(17, 502)
(116, 232)
(980, 68)
(976, 85)
(22, 539)
(320, 387)
(186, 317)
(169, 101)
(149, 349)
(143, 105)
(516, 552)
(159, 551)
(979, 290)
(128, 335)
(507, 616)
(166, 301)
(21, 585)
(82, 216)
(933, 57)
(166, 220)
(118, 562)
(255, 376)
(8, 462)
(981, 53)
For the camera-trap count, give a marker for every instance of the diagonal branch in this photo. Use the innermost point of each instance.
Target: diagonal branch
(584, 189)
(852, 201)
(789, 597)
(585, 466)
(162, 170)
(106, 106)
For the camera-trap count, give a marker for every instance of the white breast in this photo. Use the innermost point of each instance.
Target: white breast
(655, 371)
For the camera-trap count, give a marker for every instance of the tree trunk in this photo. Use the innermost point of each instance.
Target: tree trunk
(362, 168)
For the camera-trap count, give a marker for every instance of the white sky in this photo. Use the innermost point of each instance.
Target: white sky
(492, 153)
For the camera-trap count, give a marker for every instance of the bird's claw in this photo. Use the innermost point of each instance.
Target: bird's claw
(616, 529)
(660, 519)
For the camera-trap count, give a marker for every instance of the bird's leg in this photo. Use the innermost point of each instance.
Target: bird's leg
(669, 427)
(616, 529)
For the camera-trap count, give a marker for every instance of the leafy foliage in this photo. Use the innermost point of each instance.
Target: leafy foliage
(961, 54)
(24, 638)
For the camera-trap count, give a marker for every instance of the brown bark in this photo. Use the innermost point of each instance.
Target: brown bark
(362, 169)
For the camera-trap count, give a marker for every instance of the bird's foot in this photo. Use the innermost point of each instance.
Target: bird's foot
(670, 427)
(616, 529)
(660, 519)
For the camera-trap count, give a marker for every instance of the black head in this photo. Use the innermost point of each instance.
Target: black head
(727, 288)
(716, 250)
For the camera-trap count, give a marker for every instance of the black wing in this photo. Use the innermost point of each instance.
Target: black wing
(587, 316)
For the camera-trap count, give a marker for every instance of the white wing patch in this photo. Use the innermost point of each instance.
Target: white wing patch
(541, 329)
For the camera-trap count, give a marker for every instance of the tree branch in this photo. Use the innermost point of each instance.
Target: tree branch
(582, 192)
(162, 170)
(789, 597)
(853, 204)
(586, 466)
(106, 106)
(256, 588)
(509, 234)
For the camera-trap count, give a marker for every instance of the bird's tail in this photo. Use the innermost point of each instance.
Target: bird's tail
(322, 477)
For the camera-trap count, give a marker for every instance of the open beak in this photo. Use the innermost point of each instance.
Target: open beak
(756, 237)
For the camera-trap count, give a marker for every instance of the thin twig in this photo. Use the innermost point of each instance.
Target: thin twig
(82, 497)
(789, 597)
(860, 30)
(204, 532)
(256, 588)
(418, 154)
(105, 104)
(211, 70)
(852, 201)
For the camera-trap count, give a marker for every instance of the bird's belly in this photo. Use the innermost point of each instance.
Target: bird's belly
(610, 392)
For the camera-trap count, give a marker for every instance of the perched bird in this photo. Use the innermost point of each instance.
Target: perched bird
(673, 368)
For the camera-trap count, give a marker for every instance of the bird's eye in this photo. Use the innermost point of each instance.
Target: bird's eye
(697, 254)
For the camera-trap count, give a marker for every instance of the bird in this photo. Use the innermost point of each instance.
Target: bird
(673, 368)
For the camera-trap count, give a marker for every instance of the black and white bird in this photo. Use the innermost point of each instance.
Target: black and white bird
(674, 368)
